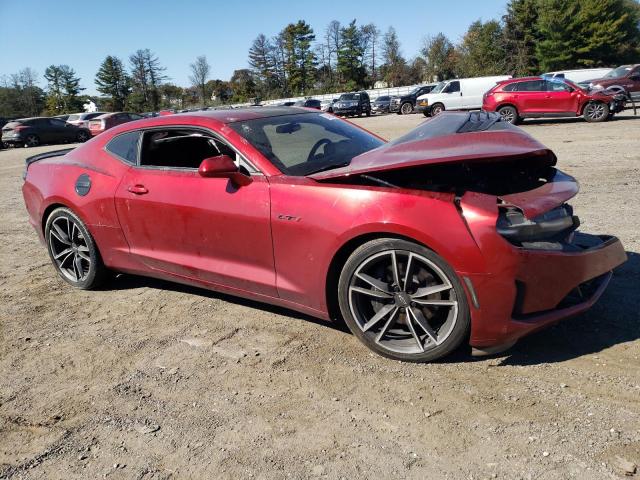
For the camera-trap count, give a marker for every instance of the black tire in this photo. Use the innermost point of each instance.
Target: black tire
(368, 113)
(83, 261)
(82, 136)
(399, 334)
(595, 112)
(32, 140)
(509, 114)
(406, 108)
(437, 109)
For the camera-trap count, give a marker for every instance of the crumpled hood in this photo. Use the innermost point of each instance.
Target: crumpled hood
(451, 137)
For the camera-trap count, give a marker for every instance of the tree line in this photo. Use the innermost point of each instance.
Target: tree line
(531, 37)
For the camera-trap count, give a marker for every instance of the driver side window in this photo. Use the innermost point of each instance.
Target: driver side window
(179, 148)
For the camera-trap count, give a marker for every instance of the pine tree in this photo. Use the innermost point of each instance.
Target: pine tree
(481, 51)
(299, 56)
(395, 66)
(146, 77)
(440, 58)
(112, 80)
(521, 36)
(63, 89)
(350, 57)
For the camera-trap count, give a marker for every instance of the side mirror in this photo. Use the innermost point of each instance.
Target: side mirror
(635, 77)
(223, 167)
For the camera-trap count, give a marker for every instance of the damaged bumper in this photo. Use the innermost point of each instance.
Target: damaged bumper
(532, 284)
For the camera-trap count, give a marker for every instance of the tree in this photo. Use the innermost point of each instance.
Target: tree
(171, 96)
(521, 35)
(333, 40)
(481, 50)
(350, 57)
(440, 58)
(299, 59)
(243, 85)
(395, 66)
(62, 90)
(200, 71)
(146, 77)
(264, 64)
(370, 35)
(578, 34)
(20, 96)
(113, 81)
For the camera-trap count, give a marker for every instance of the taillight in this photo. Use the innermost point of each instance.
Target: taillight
(17, 129)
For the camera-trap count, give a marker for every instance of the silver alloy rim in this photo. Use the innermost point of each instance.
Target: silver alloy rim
(437, 110)
(595, 111)
(507, 115)
(406, 108)
(69, 249)
(403, 302)
(32, 141)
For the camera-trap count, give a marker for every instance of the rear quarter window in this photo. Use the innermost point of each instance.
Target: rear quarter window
(125, 147)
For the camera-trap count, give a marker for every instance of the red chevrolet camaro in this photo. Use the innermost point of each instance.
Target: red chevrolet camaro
(458, 231)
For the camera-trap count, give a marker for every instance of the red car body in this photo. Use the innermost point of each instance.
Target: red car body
(282, 239)
(534, 97)
(110, 120)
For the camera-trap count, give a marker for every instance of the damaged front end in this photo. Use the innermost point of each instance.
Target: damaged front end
(538, 268)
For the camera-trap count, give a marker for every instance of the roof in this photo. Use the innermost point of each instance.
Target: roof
(243, 114)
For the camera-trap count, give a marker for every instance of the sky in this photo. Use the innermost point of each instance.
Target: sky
(39, 33)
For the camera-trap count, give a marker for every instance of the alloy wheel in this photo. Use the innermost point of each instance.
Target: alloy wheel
(595, 111)
(436, 110)
(403, 302)
(508, 115)
(406, 108)
(32, 141)
(69, 249)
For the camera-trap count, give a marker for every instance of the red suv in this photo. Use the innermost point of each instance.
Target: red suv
(532, 97)
(109, 120)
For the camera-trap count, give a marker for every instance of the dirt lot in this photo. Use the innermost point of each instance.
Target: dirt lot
(146, 379)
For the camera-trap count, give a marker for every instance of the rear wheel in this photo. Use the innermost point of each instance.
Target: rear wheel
(73, 251)
(595, 112)
(406, 108)
(437, 109)
(32, 140)
(509, 114)
(403, 301)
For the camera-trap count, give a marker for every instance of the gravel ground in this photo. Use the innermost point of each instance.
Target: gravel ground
(147, 379)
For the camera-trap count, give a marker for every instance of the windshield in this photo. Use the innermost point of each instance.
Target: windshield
(350, 96)
(439, 87)
(382, 99)
(618, 72)
(73, 118)
(306, 143)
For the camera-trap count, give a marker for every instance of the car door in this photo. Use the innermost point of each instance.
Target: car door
(61, 131)
(632, 84)
(188, 226)
(560, 98)
(530, 97)
(453, 94)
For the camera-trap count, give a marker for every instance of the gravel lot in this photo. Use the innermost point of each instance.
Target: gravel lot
(147, 379)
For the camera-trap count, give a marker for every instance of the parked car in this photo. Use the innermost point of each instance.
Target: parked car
(31, 132)
(327, 105)
(381, 104)
(457, 94)
(355, 103)
(110, 120)
(3, 122)
(532, 97)
(308, 103)
(82, 119)
(581, 76)
(622, 79)
(457, 231)
(62, 117)
(286, 104)
(405, 104)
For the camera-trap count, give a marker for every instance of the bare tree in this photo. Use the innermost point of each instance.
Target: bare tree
(333, 40)
(200, 71)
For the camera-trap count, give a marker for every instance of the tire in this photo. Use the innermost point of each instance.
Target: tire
(403, 322)
(73, 251)
(406, 108)
(595, 112)
(509, 114)
(368, 113)
(82, 136)
(32, 140)
(437, 109)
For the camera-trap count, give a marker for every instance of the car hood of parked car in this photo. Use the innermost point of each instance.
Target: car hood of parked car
(452, 137)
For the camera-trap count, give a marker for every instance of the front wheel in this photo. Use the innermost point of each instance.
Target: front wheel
(82, 136)
(596, 112)
(406, 108)
(403, 301)
(73, 251)
(437, 109)
(509, 114)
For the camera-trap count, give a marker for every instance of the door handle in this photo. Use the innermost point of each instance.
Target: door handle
(138, 189)
(547, 96)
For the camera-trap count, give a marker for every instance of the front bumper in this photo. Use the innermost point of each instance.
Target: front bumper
(525, 289)
(346, 110)
(422, 108)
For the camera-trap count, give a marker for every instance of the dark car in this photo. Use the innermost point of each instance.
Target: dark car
(532, 97)
(355, 103)
(458, 231)
(32, 132)
(308, 103)
(381, 104)
(622, 79)
(109, 120)
(405, 104)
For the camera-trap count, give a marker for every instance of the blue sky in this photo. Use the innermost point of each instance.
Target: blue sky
(38, 33)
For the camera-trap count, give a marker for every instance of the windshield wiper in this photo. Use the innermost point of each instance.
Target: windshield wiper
(328, 167)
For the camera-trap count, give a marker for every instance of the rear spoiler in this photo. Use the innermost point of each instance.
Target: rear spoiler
(42, 156)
